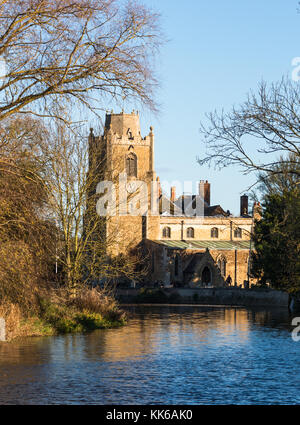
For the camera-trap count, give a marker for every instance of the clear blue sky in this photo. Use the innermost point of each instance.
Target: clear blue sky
(217, 51)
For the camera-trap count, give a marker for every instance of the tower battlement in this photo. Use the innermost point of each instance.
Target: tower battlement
(124, 125)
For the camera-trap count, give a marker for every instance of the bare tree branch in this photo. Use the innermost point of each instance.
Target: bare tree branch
(80, 48)
(267, 122)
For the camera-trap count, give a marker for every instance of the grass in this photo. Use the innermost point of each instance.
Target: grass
(59, 314)
(71, 319)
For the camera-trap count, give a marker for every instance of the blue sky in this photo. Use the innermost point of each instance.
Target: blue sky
(217, 51)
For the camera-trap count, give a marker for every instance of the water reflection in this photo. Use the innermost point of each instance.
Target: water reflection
(165, 355)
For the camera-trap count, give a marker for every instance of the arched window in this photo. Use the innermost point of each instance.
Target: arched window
(238, 232)
(222, 265)
(166, 232)
(214, 233)
(131, 165)
(190, 233)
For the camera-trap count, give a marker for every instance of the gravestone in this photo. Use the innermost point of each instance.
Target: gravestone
(2, 330)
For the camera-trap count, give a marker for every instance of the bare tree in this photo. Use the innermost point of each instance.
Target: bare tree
(48, 213)
(56, 54)
(75, 51)
(250, 135)
(26, 235)
(83, 241)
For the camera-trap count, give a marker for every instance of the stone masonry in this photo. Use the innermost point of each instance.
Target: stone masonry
(181, 248)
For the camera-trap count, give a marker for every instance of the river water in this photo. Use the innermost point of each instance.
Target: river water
(165, 355)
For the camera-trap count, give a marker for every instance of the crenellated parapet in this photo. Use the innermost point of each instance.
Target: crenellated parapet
(124, 129)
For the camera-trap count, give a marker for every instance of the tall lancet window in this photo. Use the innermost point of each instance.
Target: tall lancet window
(131, 165)
(222, 265)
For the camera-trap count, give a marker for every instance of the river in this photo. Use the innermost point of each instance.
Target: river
(165, 355)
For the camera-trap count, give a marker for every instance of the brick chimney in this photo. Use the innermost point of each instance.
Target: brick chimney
(244, 205)
(173, 193)
(204, 191)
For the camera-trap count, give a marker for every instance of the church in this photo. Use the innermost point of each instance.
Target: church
(185, 240)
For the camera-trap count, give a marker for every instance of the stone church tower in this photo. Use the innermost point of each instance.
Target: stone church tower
(122, 150)
(181, 245)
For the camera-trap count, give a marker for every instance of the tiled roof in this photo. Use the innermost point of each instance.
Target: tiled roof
(211, 244)
(167, 207)
(195, 205)
(215, 211)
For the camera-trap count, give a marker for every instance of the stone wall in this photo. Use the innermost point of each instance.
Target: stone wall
(164, 262)
(236, 264)
(216, 296)
(202, 227)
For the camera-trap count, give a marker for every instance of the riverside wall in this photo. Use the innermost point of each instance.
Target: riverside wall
(207, 296)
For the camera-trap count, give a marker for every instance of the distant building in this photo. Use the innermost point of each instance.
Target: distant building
(189, 242)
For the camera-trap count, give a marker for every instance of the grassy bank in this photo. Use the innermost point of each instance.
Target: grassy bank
(59, 313)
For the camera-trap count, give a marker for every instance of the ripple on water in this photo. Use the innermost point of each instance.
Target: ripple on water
(165, 355)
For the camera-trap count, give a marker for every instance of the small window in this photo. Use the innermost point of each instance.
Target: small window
(238, 233)
(131, 165)
(166, 232)
(190, 233)
(214, 232)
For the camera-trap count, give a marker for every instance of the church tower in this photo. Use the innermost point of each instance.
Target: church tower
(124, 153)
(127, 150)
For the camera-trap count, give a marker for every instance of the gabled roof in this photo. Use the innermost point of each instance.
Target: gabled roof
(215, 211)
(167, 207)
(195, 260)
(191, 204)
(195, 205)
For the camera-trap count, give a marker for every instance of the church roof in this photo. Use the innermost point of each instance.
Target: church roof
(195, 205)
(215, 211)
(201, 245)
(168, 208)
(191, 204)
